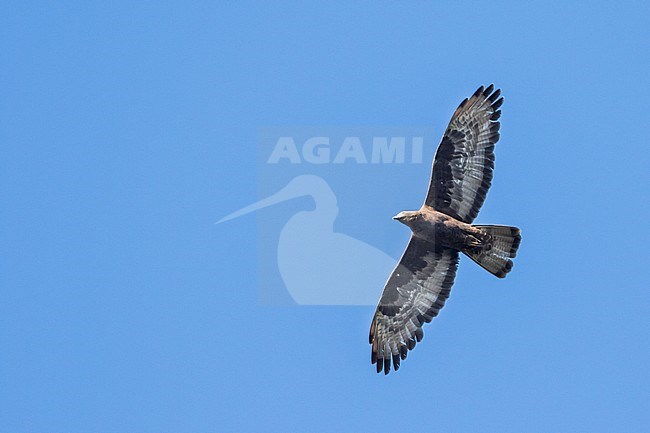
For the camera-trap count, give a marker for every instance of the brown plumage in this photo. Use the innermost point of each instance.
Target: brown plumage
(441, 229)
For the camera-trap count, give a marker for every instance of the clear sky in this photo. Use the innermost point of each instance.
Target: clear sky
(128, 128)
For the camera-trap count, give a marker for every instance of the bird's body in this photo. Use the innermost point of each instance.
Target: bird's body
(442, 228)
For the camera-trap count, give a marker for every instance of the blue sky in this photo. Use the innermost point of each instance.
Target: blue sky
(129, 129)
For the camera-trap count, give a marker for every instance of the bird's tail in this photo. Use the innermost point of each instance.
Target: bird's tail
(495, 250)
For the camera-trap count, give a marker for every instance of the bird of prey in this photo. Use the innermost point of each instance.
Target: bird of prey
(442, 228)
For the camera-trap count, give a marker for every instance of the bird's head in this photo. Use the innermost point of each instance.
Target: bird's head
(407, 217)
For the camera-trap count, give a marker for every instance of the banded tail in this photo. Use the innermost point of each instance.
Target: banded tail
(497, 248)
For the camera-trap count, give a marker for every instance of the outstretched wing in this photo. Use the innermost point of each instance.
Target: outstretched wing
(414, 294)
(464, 162)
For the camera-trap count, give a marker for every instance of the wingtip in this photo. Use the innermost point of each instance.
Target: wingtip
(493, 97)
(403, 351)
(410, 344)
(497, 104)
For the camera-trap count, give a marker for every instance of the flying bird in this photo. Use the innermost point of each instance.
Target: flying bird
(442, 228)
